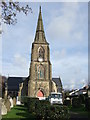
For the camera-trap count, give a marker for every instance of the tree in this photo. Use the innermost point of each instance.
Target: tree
(10, 10)
(66, 93)
(0, 86)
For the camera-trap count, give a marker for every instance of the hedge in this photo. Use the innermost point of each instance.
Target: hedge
(87, 103)
(52, 112)
(43, 110)
(76, 102)
(67, 102)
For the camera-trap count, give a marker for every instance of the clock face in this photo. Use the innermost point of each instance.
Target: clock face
(40, 59)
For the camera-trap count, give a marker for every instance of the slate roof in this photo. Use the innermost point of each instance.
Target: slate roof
(13, 83)
(58, 83)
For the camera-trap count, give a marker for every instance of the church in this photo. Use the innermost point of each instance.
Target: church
(39, 83)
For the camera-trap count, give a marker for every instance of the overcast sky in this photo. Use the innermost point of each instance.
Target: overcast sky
(66, 30)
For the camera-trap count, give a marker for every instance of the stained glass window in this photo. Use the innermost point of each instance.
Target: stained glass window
(40, 72)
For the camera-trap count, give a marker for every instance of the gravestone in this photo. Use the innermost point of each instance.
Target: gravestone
(3, 109)
(11, 101)
(18, 101)
(14, 101)
(0, 109)
(7, 104)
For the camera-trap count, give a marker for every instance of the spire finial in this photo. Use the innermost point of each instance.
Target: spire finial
(40, 22)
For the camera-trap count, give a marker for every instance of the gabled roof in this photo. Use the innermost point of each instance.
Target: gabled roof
(13, 83)
(58, 83)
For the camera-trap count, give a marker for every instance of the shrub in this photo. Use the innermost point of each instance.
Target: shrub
(43, 110)
(67, 102)
(24, 100)
(76, 102)
(87, 104)
(32, 104)
(52, 112)
(35, 103)
(82, 99)
(44, 102)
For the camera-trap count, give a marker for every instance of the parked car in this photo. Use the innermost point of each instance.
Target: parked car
(55, 98)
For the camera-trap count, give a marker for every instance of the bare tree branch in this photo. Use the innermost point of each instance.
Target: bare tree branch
(10, 10)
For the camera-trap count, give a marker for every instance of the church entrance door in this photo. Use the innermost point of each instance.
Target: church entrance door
(40, 93)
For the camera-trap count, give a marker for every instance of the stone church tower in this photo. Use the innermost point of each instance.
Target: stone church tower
(40, 80)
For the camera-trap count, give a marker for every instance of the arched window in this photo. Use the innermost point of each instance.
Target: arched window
(41, 52)
(40, 72)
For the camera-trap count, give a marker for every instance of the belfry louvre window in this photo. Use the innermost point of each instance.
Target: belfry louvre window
(41, 52)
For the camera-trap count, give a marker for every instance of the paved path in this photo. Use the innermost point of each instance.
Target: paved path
(79, 116)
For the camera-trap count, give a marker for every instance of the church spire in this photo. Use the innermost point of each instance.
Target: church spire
(40, 35)
(40, 22)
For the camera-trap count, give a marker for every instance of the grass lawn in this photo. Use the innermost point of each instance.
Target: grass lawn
(19, 113)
